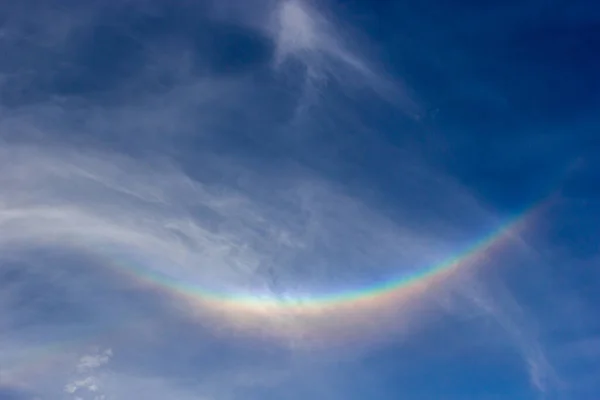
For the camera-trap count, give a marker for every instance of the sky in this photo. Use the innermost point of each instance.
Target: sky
(291, 199)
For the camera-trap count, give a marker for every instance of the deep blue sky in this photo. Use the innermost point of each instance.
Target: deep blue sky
(285, 148)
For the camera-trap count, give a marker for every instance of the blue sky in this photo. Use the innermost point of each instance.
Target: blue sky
(173, 175)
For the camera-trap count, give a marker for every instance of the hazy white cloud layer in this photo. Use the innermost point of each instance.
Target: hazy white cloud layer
(106, 164)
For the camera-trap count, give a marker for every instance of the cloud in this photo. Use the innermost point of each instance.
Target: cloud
(308, 36)
(502, 307)
(87, 382)
(91, 362)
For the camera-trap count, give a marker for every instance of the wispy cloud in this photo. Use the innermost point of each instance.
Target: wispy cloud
(86, 383)
(503, 308)
(305, 34)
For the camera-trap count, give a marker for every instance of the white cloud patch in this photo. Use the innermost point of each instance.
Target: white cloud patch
(87, 382)
(90, 362)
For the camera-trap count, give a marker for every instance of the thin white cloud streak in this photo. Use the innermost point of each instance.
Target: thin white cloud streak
(520, 328)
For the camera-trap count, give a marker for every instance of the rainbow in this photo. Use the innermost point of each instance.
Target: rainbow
(344, 314)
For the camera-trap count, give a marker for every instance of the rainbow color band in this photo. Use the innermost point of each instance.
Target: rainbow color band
(342, 314)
